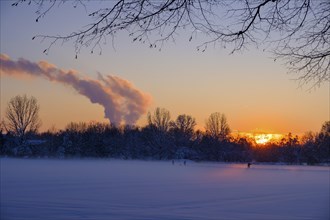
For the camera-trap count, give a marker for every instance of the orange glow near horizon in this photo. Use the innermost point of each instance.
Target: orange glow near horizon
(262, 139)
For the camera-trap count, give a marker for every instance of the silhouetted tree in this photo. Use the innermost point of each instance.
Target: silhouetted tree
(112, 141)
(184, 124)
(217, 127)
(291, 150)
(160, 144)
(2, 140)
(325, 130)
(268, 153)
(177, 140)
(73, 139)
(323, 143)
(134, 148)
(157, 136)
(53, 139)
(92, 140)
(308, 137)
(296, 30)
(160, 119)
(22, 115)
(183, 129)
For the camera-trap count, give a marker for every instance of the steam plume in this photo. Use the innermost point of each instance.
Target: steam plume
(122, 102)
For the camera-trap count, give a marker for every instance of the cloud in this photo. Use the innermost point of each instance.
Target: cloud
(122, 101)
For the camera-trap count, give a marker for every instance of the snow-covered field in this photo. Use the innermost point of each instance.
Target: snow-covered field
(114, 189)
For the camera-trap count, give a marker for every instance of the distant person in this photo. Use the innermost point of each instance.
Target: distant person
(184, 163)
(248, 165)
(172, 162)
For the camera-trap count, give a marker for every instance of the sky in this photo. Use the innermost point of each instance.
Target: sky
(255, 92)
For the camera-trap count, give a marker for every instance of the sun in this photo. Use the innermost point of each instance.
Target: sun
(263, 139)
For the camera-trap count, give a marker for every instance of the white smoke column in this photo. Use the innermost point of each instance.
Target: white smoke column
(122, 102)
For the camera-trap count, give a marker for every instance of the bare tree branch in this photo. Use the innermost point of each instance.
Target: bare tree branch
(217, 126)
(295, 30)
(22, 115)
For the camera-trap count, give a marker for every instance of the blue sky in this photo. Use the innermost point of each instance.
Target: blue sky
(253, 91)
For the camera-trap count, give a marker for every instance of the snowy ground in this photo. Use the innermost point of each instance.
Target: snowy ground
(114, 189)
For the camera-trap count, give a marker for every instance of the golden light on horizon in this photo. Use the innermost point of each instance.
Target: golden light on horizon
(260, 137)
(263, 139)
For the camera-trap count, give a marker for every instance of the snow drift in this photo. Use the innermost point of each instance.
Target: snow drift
(138, 190)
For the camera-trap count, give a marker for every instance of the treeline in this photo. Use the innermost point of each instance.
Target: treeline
(164, 139)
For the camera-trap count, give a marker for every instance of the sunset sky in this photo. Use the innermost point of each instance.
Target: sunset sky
(255, 92)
